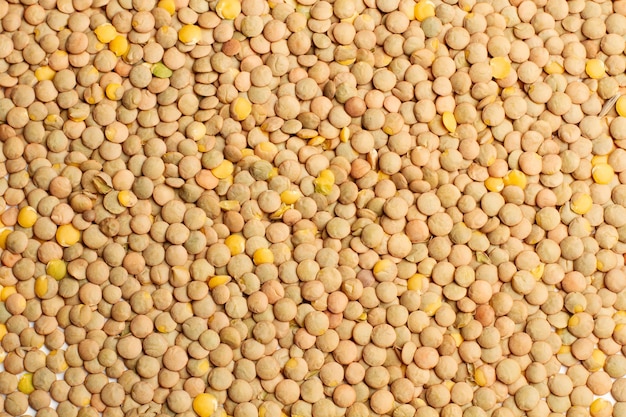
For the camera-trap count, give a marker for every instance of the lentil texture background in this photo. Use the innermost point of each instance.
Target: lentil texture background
(312, 208)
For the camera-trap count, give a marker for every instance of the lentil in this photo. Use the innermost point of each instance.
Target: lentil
(317, 208)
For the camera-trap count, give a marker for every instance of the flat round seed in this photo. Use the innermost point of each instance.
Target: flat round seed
(271, 199)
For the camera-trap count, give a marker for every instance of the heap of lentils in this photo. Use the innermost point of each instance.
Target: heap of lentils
(312, 208)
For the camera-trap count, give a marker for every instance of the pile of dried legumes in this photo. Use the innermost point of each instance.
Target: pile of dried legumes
(313, 208)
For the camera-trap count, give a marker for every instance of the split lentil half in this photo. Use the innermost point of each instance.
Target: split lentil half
(312, 208)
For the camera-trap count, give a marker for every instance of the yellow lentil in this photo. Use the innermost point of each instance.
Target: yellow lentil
(119, 45)
(263, 256)
(620, 106)
(500, 67)
(602, 173)
(515, 177)
(25, 384)
(44, 73)
(224, 170)
(27, 216)
(236, 244)
(581, 203)
(324, 182)
(168, 5)
(190, 34)
(205, 405)
(57, 269)
(105, 33)
(595, 68)
(424, 9)
(67, 235)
